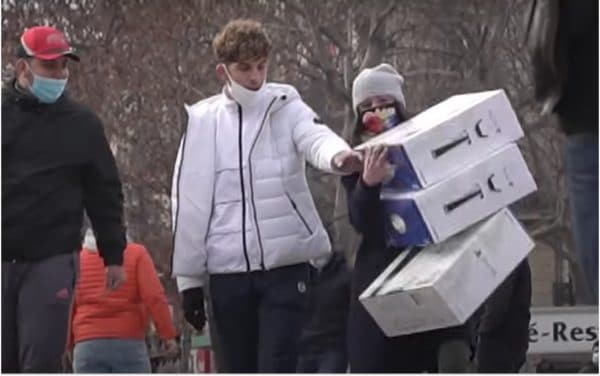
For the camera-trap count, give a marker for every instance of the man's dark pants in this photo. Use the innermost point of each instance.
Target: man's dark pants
(259, 317)
(329, 361)
(36, 299)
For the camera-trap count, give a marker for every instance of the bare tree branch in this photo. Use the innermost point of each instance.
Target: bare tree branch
(376, 37)
(431, 71)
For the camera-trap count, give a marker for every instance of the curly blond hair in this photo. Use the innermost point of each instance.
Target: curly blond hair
(241, 40)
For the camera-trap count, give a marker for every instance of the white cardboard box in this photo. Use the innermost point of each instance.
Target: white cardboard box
(443, 284)
(436, 213)
(444, 138)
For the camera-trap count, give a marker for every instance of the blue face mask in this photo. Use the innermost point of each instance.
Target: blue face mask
(47, 90)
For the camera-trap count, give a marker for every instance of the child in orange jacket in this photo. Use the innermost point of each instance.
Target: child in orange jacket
(107, 328)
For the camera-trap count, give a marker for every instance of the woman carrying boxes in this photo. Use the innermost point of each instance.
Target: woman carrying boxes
(379, 105)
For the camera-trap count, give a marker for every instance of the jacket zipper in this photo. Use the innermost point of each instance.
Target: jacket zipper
(262, 252)
(241, 158)
(298, 213)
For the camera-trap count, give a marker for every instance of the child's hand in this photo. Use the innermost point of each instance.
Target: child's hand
(375, 165)
(171, 348)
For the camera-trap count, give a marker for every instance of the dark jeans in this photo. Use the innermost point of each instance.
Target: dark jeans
(36, 299)
(582, 177)
(494, 354)
(259, 317)
(504, 326)
(111, 356)
(328, 361)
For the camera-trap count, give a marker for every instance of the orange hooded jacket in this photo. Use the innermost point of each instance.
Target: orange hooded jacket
(125, 312)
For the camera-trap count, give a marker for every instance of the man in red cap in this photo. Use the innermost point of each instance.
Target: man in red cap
(56, 163)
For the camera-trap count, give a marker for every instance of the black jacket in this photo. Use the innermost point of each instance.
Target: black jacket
(564, 51)
(56, 162)
(578, 32)
(366, 216)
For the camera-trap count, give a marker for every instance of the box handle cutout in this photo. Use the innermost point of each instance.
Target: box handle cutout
(449, 207)
(438, 152)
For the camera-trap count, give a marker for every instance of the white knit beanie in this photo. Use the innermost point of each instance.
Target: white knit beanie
(380, 80)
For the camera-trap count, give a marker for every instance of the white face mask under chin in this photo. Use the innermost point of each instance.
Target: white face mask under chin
(245, 97)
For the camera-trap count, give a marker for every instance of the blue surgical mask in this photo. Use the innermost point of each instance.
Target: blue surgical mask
(47, 90)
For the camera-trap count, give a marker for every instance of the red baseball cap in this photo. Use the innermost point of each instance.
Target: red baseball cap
(45, 43)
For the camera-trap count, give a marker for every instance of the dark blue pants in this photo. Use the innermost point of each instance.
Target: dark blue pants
(259, 317)
(582, 178)
(329, 361)
(36, 300)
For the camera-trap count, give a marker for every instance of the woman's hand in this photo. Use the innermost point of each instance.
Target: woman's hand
(375, 165)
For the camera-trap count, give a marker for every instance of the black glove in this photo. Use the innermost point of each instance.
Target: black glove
(193, 307)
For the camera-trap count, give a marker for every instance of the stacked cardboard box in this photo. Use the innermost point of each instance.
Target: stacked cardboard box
(456, 169)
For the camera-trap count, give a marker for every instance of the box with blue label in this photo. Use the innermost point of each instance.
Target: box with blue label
(442, 285)
(444, 138)
(434, 214)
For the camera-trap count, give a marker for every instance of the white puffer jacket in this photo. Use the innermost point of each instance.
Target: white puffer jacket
(277, 223)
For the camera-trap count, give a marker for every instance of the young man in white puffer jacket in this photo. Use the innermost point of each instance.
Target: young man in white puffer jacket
(242, 210)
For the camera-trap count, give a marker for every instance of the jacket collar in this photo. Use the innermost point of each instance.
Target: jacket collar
(283, 94)
(11, 91)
